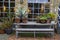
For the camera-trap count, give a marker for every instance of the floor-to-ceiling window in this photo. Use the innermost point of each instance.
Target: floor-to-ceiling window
(5, 6)
(37, 7)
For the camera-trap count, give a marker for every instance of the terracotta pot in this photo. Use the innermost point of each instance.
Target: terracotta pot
(2, 31)
(17, 20)
(24, 20)
(41, 21)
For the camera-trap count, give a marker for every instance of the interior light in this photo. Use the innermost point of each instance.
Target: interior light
(4, 8)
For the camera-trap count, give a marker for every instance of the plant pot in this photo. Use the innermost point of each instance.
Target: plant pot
(41, 21)
(17, 20)
(8, 30)
(2, 31)
(24, 20)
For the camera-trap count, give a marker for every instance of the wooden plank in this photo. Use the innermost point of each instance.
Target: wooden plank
(29, 29)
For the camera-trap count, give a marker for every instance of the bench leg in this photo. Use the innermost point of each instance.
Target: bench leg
(34, 34)
(16, 34)
(53, 36)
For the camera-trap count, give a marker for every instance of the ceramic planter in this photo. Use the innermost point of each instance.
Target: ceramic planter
(2, 31)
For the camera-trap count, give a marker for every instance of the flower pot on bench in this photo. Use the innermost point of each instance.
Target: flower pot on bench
(24, 20)
(17, 20)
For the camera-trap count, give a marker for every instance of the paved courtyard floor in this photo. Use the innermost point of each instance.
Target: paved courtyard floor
(4, 36)
(13, 37)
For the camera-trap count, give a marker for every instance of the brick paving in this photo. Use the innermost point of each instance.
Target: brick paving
(13, 37)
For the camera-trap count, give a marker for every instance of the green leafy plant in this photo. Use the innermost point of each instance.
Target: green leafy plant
(21, 12)
(42, 17)
(7, 22)
(51, 15)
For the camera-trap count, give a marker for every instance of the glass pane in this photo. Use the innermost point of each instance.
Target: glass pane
(40, 5)
(5, 15)
(30, 4)
(35, 15)
(35, 5)
(7, 9)
(1, 9)
(1, 4)
(31, 10)
(47, 5)
(6, 4)
(1, 0)
(47, 10)
(12, 9)
(12, 4)
(41, 11)
(29, 15)
(12, 0)
(6, 0)
(1, 14)
(35, 10)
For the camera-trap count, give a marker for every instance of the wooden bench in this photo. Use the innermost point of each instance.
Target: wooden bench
(18, 30)
(34, 30)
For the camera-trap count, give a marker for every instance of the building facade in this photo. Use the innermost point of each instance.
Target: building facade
(34, 6)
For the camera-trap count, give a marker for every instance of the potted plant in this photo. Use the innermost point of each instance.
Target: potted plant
(17, 17)
(21, 14)
(42, 18)
(48, 18)
(24, 17)
(52, 15)
(7, 23)
(7, 26)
